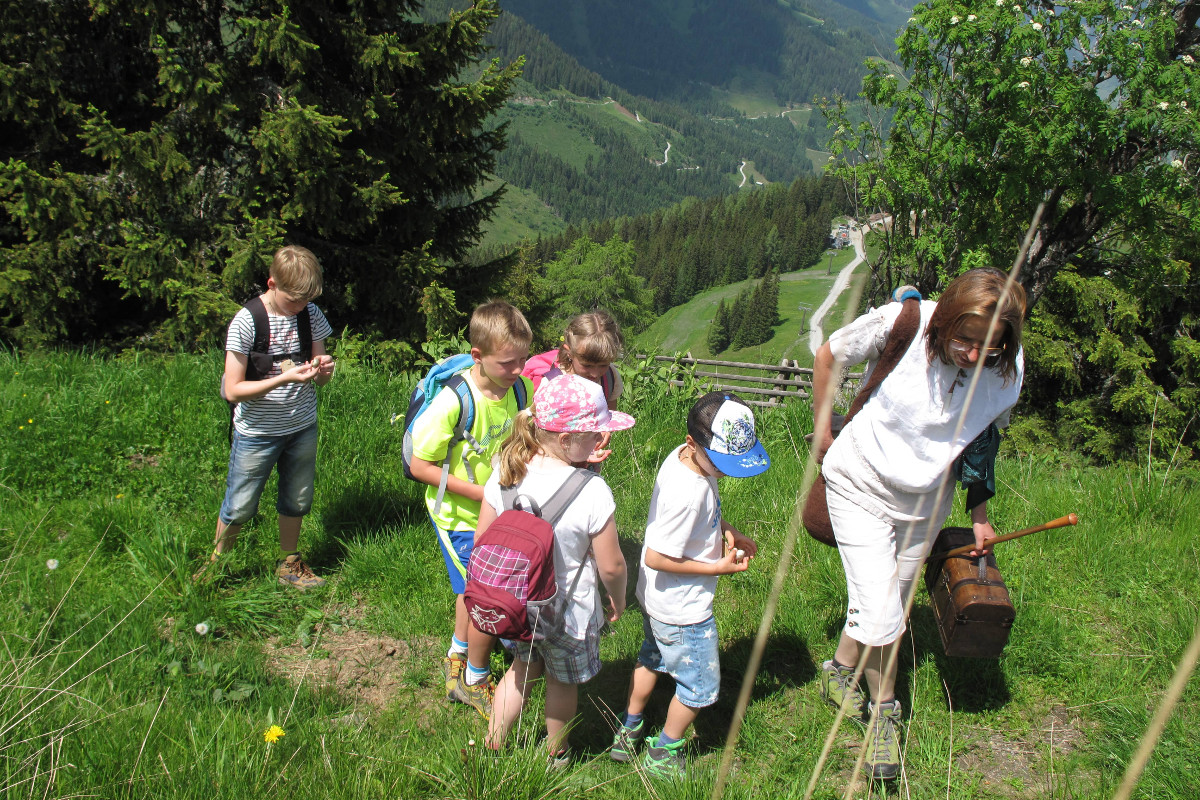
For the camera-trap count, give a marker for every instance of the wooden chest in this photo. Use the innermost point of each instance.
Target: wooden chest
(974, 612)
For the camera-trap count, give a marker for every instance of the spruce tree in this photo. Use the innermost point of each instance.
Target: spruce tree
(156, 154)
(718, 330)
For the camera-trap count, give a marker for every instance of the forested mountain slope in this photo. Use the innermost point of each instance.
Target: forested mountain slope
(583, 148)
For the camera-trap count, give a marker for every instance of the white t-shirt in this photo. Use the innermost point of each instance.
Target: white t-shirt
(582, 520)
(684, 522)
(906, 431)
(288, 408)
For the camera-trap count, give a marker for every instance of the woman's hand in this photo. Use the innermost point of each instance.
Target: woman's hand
(983, 531)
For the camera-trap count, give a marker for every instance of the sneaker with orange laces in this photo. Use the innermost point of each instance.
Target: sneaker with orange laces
(478, 696)
(292, 571)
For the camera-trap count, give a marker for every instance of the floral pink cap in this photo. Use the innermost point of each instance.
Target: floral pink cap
(569, 403)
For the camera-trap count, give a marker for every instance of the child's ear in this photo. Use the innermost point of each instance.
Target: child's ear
(691, 442)
(477, 354)
(271, 285)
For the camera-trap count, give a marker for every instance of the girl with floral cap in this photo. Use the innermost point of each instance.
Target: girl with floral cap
(567, 421)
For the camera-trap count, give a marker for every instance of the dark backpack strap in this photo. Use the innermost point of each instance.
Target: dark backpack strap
(903, 331)
(304, 328)
(521, 394)
(607, 382)
(262, 335)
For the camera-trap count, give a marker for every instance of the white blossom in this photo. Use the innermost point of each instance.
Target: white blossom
(1026, 61)
(1137, 22)
(954, 20)
(1183, 103)
(52, 564)
(971, 17)
(911, 20)
(1037, 26)
(202, 628)
(1177, 164)
(1023, 85)
(1187, 59)
(999, 3)
(1016, 8)
(1163, 106)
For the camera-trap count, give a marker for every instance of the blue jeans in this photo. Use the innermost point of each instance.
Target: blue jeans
(688, 653)
(251, 459)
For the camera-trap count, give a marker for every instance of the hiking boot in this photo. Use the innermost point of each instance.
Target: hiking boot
(665, 760)
(883, 742)
(838, 689)
(453, 665)
(478, 695)
(292, 571)
(627, 741)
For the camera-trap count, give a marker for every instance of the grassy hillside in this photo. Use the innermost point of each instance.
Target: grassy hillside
(685, 328)
(111, 472)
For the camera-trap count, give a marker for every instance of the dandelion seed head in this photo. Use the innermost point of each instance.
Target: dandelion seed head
(202, 628)
(52, 564)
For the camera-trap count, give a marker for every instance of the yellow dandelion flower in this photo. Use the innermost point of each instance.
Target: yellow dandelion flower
(120, 496)
(20, 427)
(106, 402)
(273, 734)
(30, 421)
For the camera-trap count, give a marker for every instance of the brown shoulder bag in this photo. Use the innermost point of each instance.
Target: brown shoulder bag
(904, 330)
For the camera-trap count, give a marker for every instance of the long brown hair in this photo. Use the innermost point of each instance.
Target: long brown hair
(977, 293)
(525, 442)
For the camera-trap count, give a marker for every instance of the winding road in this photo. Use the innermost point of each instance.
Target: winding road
(815, 333)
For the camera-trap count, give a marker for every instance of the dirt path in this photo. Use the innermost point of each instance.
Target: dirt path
(742, 169)
(815, 334)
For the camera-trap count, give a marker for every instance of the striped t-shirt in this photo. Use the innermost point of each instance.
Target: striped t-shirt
(288, 408)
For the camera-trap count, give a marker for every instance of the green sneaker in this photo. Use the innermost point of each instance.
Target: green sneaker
(665, 760)
(838, 689)
(883, 741)
(478, 695)
(627, 741)
(453, 666)
(292, 571)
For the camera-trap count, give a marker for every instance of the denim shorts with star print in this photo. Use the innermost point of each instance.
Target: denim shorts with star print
(688, 653)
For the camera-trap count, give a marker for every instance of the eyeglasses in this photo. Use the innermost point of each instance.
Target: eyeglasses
(991, 355)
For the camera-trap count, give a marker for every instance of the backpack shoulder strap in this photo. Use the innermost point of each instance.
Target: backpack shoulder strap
(556, 506)
(462, 431)
(304, 328)
(521, 391)
(262, 324)
(903, 331)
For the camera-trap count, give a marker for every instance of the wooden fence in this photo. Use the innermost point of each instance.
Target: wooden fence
(766, 384)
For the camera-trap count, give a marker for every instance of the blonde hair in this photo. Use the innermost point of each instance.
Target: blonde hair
(593, 336)
(977, 293)
(525, 442)
(497, 323)
(297, 272)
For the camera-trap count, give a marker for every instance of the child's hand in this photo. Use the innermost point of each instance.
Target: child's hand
(301, 373)
(735, 540)
(597, 456)
(614, 608)
(730, 563)
(324, 364)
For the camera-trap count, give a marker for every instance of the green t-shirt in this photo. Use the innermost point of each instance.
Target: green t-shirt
(431, 435)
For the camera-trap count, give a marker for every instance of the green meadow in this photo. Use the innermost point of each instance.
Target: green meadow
(684, 328)
(122, 678)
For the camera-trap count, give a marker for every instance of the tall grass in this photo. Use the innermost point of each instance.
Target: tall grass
(108, 689)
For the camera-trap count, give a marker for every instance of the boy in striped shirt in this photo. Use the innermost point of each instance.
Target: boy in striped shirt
(275, 418)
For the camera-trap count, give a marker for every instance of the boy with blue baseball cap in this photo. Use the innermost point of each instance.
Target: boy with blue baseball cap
(688, 545)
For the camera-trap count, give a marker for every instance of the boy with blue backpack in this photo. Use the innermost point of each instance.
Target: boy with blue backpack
(459, 416)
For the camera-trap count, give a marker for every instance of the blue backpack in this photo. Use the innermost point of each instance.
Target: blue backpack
(447, 374)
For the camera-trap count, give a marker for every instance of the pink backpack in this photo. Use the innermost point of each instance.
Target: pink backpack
(511, 587)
